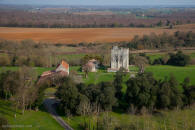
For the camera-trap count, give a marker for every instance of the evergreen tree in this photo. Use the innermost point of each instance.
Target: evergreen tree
(141, 91)
(188, 92)
(118, 81)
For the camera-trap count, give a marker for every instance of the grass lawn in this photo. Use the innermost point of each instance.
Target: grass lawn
(155, 56)
(50, 90)
(180, 73)
(31, 120)
(11, 68)
(175, 119)
(99, 77)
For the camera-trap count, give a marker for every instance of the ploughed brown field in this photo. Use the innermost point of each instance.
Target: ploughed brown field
(77, 35)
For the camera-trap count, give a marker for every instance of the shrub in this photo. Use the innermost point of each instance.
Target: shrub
(189, 92)
(179, 59)
(169, 95)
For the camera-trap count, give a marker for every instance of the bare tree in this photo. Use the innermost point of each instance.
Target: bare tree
(86, 69)
(25, 93)
(140, 62)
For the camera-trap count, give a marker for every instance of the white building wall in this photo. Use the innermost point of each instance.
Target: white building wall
(119, 58)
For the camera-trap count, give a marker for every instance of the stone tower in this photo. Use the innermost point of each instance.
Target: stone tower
(119, 58)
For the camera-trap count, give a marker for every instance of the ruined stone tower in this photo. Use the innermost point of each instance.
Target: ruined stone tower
(119, 58)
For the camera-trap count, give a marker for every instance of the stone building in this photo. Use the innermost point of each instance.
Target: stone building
(92, 65)
(62, 70)
(63, 67)
(119, 59)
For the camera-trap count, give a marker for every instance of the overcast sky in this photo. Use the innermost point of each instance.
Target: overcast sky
(101, 2)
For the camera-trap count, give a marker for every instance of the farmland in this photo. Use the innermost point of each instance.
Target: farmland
(78, 35)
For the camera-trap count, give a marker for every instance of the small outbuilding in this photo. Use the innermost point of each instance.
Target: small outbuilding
(92, 65)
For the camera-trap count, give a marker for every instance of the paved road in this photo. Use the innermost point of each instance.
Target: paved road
(49, 104)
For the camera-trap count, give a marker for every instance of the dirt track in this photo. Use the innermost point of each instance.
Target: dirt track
(77, 35)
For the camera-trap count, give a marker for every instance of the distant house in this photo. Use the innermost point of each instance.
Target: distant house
(92, 65)
(61, 70)
(63, 66)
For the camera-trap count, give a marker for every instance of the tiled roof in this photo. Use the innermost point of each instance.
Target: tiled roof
(91, 64)
(46, 73)
(50, 74)
(64, 64)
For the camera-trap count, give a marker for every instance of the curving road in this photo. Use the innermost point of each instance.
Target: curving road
(49, 104)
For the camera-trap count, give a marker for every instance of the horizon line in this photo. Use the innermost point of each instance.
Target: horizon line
(178, 5)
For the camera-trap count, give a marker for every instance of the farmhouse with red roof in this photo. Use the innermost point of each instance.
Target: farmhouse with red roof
(61, 70)
(64, 66)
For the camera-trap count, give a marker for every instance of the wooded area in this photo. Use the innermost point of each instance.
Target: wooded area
(72, 18)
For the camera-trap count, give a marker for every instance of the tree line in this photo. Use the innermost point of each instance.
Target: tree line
(41, 19)
(175, 59)
(178, 59)
(162, 41)
(143, 92)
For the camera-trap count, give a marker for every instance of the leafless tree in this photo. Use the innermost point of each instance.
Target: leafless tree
(25, 93)
(86, 69)
(140, 62)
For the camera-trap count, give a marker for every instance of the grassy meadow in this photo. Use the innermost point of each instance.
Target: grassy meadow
(31, 120)
(180, 73)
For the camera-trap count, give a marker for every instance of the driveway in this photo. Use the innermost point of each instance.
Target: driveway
(49, 104)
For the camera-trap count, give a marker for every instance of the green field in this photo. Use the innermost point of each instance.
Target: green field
(155, 56)
(180, 73)
(31, 120)
(99, 77)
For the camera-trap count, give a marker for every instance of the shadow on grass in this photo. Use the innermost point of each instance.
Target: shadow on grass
(50, 106)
